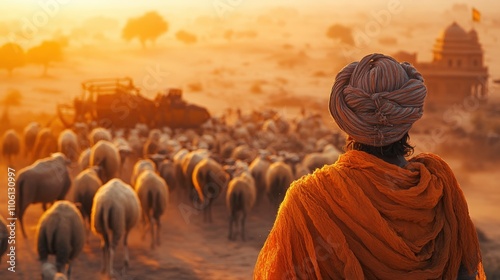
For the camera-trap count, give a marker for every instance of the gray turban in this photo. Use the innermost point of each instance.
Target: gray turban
(377, 100)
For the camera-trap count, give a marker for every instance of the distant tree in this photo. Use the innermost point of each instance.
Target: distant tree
(11, 99)
(186, 37)
(146, 28)
(342, 33)
(12, 56)
(45, 53)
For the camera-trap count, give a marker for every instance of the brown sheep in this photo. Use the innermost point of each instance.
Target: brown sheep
(189, 162)
(153, 194)
(278, 178)
(105, 155)
(179, 173)
(115, 212)
(152, 145)
(240, 198)
(209, 179)
(314, 161)
(45, 181)
(11, 145)
(166, 170)
(258, 169)
(60, 232)
(45, 144)
(30, 132)
(84, 159)
(124, 149)
(85, 187)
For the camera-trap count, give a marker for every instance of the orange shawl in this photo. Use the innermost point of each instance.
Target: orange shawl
(365, 218)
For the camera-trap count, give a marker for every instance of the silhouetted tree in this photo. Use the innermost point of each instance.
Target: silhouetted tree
(186, 37)
(342, 33)
(11, 56)
(146, 28)
(44, 54)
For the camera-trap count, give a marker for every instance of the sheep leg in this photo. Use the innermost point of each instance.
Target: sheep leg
(21, 213)
(145, 231)
(158, 230)
(143, 219)
(243, 217)
(146, 223)
(87, 235)
(125, 249)
(110, 259)
(209, 210)
(152, 230)
(69, 270)
(105, 255)
(231, 219)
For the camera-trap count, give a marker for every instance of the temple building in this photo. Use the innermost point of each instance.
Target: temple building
(456, 71)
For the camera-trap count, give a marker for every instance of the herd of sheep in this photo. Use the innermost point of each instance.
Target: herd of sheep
(250, 161)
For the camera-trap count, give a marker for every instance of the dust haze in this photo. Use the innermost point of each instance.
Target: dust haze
(228, 56)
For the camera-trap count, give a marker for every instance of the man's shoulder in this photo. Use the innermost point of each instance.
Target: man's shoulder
(431, 160)
(314, 179)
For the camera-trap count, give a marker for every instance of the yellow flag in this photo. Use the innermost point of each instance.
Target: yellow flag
(476, 15)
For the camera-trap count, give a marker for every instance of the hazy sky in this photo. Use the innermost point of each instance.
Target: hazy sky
(22, 6)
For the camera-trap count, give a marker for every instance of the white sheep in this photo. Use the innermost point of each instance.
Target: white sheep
(209, 179)
(140, 166)
(105, 155)
(60, 232)
(115, 212)
(240, 198)
(99, 133)
(45, 181)
(30, 132)
(11, 145)
(153, 194)
(278, 178)
(67, 143)
(85, 187)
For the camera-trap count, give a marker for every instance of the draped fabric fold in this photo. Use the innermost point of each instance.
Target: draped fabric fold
(363, 218)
